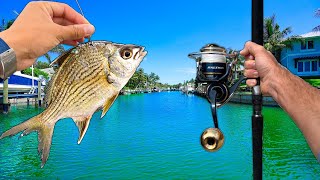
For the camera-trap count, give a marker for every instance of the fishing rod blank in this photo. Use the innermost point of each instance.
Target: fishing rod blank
(257, 118)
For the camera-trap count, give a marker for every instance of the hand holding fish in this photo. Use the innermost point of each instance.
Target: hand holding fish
(41, 26)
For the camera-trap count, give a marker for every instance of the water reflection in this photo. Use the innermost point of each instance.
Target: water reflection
(156, 136)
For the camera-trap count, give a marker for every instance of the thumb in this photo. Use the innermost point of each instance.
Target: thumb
(76, 31)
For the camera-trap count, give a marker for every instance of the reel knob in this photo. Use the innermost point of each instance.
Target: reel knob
(212, 139)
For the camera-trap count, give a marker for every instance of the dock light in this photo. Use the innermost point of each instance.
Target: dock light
(214, 70)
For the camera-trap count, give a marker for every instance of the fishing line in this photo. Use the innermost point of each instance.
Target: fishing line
(89, 38)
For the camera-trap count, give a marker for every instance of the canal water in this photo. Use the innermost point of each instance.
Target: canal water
(156, 136)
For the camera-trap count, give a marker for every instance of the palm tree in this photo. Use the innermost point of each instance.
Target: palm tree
(238, 64)
(317, 14)
(153, 78)
(275, 39)
(57, 50)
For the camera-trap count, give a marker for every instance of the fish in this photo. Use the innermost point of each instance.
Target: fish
(89, 78)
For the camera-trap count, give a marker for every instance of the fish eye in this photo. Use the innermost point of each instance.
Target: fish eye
(126, 53)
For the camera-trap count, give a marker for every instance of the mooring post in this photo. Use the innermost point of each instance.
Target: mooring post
(39, 92)
(6, 96)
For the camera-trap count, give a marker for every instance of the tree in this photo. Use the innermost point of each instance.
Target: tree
(317, 14)
(275, 39)
(239, 63)
(56, 50)
(153, 79)
(42, 65)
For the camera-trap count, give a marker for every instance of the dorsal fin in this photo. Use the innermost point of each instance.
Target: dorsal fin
(82, 123)
(108, 103)
(64, 56)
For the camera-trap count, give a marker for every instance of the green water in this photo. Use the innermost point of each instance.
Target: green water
(156, 136)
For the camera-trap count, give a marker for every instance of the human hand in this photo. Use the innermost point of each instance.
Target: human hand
(41, 26)
(260, 63)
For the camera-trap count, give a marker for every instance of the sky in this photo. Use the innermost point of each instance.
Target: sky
(170, 30)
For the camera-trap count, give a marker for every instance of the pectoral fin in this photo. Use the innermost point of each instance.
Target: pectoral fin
(82, 123)
(108, 104)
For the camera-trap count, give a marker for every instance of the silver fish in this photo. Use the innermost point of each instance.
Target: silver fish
(90, 77)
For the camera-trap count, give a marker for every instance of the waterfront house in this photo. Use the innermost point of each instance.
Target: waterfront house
(304, 58)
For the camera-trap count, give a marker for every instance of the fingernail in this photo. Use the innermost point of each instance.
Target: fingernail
(255, 74)
(251, 82)
(89, 29)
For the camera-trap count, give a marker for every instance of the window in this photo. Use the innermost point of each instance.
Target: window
(314, 65)
(307, 66)
(307, 45)
(300, 66)
(310, 44)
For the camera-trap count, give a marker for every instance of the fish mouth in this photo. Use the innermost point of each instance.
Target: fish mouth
(142, 53)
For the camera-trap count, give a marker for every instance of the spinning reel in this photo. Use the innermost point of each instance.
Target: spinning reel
(215, 77)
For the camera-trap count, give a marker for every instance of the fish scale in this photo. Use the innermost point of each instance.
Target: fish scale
(90, 77)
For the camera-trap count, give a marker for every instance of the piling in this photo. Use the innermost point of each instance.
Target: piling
(39, 92)
(6, 103)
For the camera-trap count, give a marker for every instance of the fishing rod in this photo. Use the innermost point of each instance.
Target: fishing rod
(214, 77)
(257, 118)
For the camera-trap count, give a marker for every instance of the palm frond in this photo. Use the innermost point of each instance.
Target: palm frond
(317, 13)
(316, 28)
(58, 49)
(47, 56)
(286, 31)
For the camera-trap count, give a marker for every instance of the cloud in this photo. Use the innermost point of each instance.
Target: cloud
(187, 70)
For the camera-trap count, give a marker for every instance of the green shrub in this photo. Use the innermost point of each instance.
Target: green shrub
(37, 72)
(313, 82)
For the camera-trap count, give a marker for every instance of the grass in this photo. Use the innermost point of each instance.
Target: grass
(313, 82)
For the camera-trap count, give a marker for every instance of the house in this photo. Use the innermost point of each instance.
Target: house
(304, 58)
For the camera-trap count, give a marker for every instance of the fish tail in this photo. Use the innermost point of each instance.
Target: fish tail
(44, 130)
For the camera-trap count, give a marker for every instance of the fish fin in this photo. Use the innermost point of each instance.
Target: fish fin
(83, 124)
(45, 132)
(108, 104)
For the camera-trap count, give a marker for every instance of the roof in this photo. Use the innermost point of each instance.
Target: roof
(311, 34)
(308, 57)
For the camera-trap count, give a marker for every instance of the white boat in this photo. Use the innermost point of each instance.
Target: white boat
(20, 83)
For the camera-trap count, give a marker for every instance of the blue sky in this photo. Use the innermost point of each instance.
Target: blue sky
(171, 29)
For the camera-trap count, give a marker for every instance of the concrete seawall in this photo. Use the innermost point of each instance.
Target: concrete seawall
(247, 99)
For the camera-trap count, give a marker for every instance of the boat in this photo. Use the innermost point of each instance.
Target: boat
(20, 83)
(187, 89)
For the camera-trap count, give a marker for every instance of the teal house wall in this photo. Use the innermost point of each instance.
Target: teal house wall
(304, 58)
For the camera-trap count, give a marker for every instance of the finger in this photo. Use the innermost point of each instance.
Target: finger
(80, 40)
(250, 57)
(245, 51)
(251, 73)
(253, 49)
(250, 64)
(62, 21)
(70, 42)
(251, 82)
(64, 11)
(74, 32)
